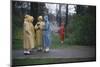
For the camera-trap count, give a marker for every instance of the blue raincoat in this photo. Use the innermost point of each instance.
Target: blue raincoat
(47, 33)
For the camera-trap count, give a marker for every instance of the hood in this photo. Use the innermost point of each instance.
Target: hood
(46, 18)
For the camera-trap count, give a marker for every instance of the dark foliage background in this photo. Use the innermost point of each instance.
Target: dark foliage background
(80, 28)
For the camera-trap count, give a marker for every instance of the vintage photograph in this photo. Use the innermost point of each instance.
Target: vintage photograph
(52, 33)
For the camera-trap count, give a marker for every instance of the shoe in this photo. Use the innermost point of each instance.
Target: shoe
(47, 50)
(39, 49)
(26, 52)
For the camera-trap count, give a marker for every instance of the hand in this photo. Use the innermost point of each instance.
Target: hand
(38, 28)
(27, 32)
(38, 24)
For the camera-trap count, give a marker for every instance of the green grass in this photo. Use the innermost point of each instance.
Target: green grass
(27, 61)
(57, 44)
(18, 43)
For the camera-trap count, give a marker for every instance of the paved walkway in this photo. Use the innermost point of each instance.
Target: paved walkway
(70, 52)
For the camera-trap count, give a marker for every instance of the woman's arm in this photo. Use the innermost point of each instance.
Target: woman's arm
(26, 28)
(36, 26)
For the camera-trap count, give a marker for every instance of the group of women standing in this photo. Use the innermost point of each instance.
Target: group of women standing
(37, 36)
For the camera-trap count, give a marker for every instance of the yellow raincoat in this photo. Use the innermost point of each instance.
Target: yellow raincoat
(39, 31)
(29, 33)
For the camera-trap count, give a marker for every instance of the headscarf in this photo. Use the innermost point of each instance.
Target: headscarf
(40, 18)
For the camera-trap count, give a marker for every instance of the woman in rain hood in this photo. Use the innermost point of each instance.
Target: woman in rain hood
(39, 32)
(47, 34)
(61, 32)
(28, 34)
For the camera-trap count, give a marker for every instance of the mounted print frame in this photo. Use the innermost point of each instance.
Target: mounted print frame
(52, 33)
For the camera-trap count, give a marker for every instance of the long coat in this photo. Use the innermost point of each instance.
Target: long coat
(39, 33)
(29, 35)
(61, 32)
(47, 33)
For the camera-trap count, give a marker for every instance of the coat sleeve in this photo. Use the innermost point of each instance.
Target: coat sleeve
(42, 26)
(46, 26)
(32, 27)
(36, 27)
(26, 27)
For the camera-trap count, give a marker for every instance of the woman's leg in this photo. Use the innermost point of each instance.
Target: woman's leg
(47, 43)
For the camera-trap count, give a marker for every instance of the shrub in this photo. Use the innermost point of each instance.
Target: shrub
(83, 30)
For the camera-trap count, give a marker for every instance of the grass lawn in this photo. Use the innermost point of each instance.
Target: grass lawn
(18, 43)
(27, 61)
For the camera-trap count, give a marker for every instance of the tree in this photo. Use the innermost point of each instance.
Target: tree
(66, 15)
(37, 9)
(92, 10)
(83, 26)
(58, 17)
(81, 10)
